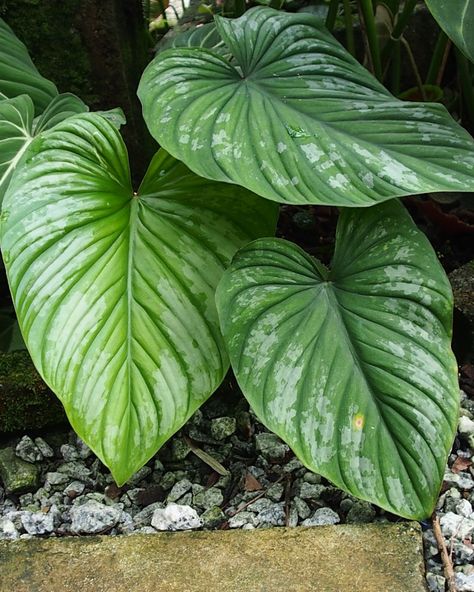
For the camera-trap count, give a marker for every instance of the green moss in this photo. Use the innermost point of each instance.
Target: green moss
(26, 403)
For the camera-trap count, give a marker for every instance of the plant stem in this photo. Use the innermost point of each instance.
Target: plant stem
(416, 72)
(398, 29)
(372, 39)
(332, 15)
(349, 27)
(439, 57)
(395, 72)
(465, 81)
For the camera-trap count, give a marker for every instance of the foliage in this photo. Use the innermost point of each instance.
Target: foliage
(114, 288)
(457, 20)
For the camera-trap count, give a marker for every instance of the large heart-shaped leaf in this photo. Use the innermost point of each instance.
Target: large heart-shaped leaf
(456, 18)
(353, 366)
(114, 290)
(293, 117)
(18, 74)
(18, 128)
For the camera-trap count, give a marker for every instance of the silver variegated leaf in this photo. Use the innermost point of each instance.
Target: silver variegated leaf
(351, 366)
(114, 289)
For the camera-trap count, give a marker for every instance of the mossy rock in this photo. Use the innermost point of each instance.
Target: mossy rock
(26, 403)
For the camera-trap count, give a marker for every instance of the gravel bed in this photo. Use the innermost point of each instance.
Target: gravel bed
(222, 470)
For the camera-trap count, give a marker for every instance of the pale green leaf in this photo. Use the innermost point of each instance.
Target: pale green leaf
(293, 117)
(352, 367)
(18, 74)
(18, 128)
(114, 290)
(456, 18)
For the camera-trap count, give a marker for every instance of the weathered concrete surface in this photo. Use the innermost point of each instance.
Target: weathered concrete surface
(366, 558)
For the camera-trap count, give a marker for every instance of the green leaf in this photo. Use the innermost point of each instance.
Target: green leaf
(18, 128)
(293, 117)
(115, 116)
(456, 18)
(204, 36)
(18, 74)
(114, 290)
(352, 367)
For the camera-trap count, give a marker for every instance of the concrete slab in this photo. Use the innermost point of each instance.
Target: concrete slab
(346, 558)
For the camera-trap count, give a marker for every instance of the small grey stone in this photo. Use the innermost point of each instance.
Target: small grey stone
(167, 480)
(360, 512)
(176, 517)
(143, 518)
(37, 523)
(322, 517)
(158, 466)
(179, 489)
(464, 583)
(74, 489)
(293, 465)
(464, 508)
(75, 470)
(241, 519)
(27, 450)
(312, 478)
(272, 516)
(83, 450)
(26, 499)
(462, 553)
(8, 530)
(461, 480)
(293, 517)
(44, 448)
(186, 500)
(465, 426)
(126, 524)
(275, 492)
(454, 525)
(259, 505)
(450, 500)
(301, 507)
(69, 453)
(212, 517)
(17, 475)
(270, 446)
(208, 498)
(140, 475)
(435, 583)
(54, 478)
(93, 518)
(346, 504)
(310, 491)
(179, 449)
(223, 427)
(134, 494)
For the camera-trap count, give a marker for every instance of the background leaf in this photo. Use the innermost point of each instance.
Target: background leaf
(351, 367)
(114, 290)
(456, 18)
(293, 117)
(18, 74)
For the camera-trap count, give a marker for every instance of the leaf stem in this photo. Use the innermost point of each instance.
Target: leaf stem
(332, 15)
(395, 71)
(416, 72)
(371, 33)
(398, 29)
(436, 69)
(349, 27)
(465, 82)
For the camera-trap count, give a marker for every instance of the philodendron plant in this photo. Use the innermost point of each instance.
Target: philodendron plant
(115, 289)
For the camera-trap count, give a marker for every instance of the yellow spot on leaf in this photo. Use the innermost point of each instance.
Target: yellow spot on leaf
(358, 421)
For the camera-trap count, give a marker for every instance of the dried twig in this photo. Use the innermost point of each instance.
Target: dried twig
(445, 558)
